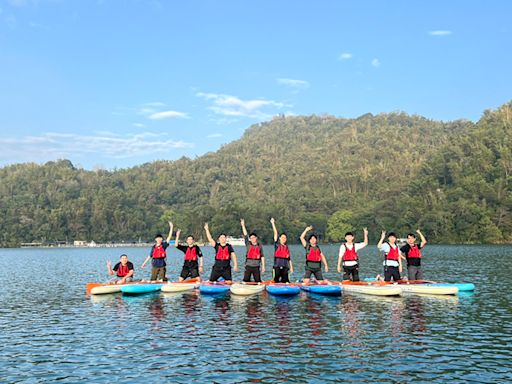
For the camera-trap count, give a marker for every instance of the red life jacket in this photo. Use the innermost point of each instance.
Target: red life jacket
(314, 255)
(223, 253)
(191, 254)
(414, 252)
(254, 252)
(123, 270)
(282, 252)
(350, 254)
(393, 253)
(158, 252)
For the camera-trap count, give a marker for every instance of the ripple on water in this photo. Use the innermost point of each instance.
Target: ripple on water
(50, 331)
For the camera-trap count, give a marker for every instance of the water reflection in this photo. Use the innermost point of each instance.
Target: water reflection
(188, 337)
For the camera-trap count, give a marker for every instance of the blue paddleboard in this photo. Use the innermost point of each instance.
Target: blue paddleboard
(213, 289)
(139, 289)
(322, 289)
(282, 289)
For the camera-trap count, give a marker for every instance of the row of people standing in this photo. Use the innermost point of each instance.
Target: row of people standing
(348, 259)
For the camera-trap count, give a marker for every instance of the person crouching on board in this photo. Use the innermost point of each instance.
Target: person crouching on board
(123, 270)
(255, 259)
(157, 255)
(412, 253)
(314, 257)
(392, 257)
(224, 252)
(348, 256)
(193, 264)
(282, 262)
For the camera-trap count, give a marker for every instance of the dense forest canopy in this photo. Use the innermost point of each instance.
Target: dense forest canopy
(391, 171)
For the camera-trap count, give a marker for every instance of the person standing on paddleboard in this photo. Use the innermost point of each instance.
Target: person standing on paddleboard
(193, 264)
(224, 253)
(392, 256)
(158, 255)
(314, 257)
(348, 256)
(124, 270)
(412, 253)
(282, 257)
(255, 259)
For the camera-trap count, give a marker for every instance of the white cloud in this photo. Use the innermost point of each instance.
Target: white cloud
(138, 125)
(440, 33)
(167, 115)
(50, 146)
(345, 56)
(214, 135)
(153, 111)
(228, 105)
(376, 63)
(293, 83)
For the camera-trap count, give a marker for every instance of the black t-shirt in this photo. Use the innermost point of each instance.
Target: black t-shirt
(223, 263)
(312, 264)
(129, 264)
(414, 261)
(184, 248)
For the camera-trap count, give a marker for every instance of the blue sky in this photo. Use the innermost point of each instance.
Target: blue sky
(119, 83)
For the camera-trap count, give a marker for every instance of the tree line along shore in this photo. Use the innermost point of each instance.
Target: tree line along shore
(389, 171)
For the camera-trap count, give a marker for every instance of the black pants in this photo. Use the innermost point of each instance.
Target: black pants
(252, 271)
(391, 272)
(351, 273)
(281, 275)
(219, 271)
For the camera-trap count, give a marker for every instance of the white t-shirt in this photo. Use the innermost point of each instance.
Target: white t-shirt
(350, 263)
(390, 263)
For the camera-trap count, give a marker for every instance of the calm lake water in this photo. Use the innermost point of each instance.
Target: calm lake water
(50, 331)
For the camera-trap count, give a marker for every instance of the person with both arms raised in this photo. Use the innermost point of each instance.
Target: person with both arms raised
(158, 255)
(224, 252)
(282, 257)
(314, 257)
(193, 264)
(348, 256)
(393, 257)
(412, 253)
(255, 262)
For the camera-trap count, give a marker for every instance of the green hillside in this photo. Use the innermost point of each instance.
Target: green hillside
(392, 171)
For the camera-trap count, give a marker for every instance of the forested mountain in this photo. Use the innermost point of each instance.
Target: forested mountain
(391, 171)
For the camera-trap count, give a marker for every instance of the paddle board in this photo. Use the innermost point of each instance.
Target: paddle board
(246, 289)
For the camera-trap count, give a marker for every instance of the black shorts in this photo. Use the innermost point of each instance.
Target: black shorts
(190, 269)
(218, 272)
(317, 272)
(391, 272)
(351, 272)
